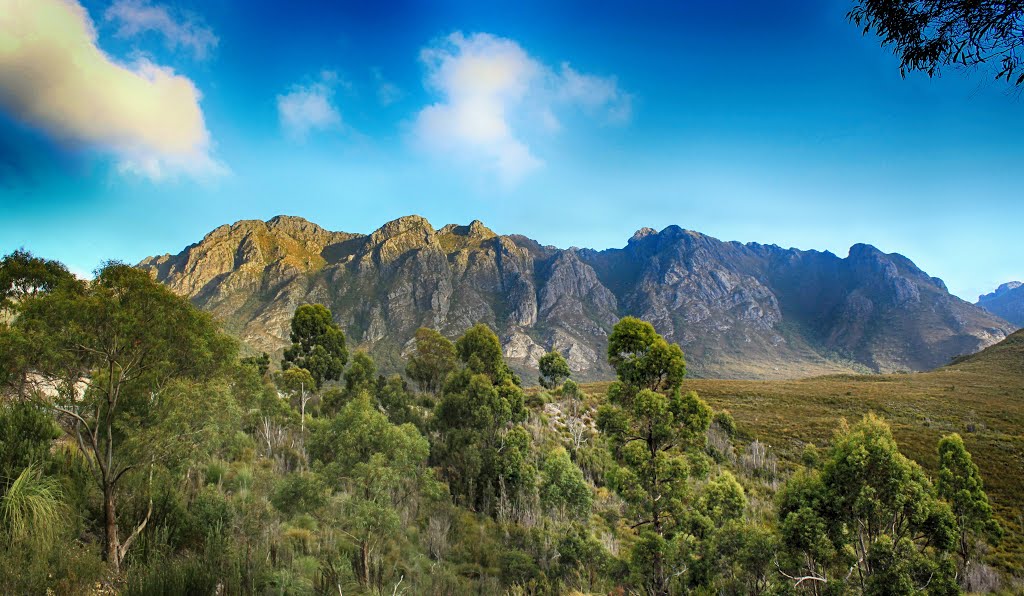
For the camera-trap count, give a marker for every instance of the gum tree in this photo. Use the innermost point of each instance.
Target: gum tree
(654, 437)
(125, 355)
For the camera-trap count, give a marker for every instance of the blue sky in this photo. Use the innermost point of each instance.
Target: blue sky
(575, 123)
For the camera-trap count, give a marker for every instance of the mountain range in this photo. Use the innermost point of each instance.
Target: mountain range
(1006, 302)
(738, 310)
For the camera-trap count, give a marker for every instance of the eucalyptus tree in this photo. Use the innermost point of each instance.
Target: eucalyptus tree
(481, 449)
(927, 35)
(318, 344)
(959, 483)
(656, 439)
(870, 519)
(297, 385)
(380, 468)
(121, 360)
(554, 370)
(433, 357)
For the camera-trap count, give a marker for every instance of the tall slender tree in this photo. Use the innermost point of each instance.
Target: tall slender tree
(655, 438)
(960, 484)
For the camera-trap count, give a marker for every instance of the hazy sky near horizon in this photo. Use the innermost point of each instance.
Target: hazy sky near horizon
(134, 127)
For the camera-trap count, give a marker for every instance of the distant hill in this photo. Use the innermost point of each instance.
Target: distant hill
(1006, 302)
(738, 310)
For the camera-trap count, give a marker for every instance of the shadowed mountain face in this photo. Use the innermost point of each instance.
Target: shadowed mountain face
(1006, 302)
(738, 310)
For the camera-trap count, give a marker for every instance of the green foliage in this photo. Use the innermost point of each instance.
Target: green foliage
(563, 488)
(378, 466)
(297, 493)
(261, 363)
(554, 370)
(723, 499)
(870, 509)
(393, 395)
(32, 508)
(141, 353)
(642, 359)
(432, 358)
(481, 453)
(657, 439)
(295, 382)
(26, 433)
(725, 421)
(223, 488)
(23, 275)
(480, 350)
(361, 374)
(318, 344)
(960, 484)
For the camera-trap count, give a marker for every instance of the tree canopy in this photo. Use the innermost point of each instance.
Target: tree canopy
(927, 35)
(554, 370)
(123, 351)
(432, 358)
(642, 359)
(318, 344)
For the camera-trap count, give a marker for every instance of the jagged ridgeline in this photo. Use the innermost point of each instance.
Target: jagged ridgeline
(738, 310)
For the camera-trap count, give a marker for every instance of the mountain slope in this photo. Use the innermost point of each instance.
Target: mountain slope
(740, 311)
(1006, 302)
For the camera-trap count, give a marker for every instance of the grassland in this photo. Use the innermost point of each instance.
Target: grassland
(981, 397)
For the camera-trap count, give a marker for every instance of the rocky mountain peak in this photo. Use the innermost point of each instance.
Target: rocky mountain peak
(456, 237)
(642, 233)
(415, 224)
(398, 237)
(738, 310)
(1002, 289)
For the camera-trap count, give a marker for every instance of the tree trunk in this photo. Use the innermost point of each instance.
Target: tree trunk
(365, 554)
(112, 545)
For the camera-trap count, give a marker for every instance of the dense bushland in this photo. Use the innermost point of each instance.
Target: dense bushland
(140, 454)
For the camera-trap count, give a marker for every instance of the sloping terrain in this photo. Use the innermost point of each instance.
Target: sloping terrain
(738, 310)
(980, 396)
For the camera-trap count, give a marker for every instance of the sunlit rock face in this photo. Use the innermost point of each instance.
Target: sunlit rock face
(738, 310)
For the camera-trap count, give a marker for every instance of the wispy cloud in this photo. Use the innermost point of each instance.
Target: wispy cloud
(134, 17)
(598, 96)
(308, 108)
(493, 92)
(54, 77)
(387, 92)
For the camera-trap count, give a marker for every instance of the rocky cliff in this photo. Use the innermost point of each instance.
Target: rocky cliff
(738, 310)
(1006, 302)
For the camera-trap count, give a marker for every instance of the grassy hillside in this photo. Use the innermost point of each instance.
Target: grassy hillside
(980, 396)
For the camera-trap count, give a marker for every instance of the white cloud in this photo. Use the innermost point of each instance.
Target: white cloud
(53, 76)
(135, 17)
(309, 108)
(493, 94)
